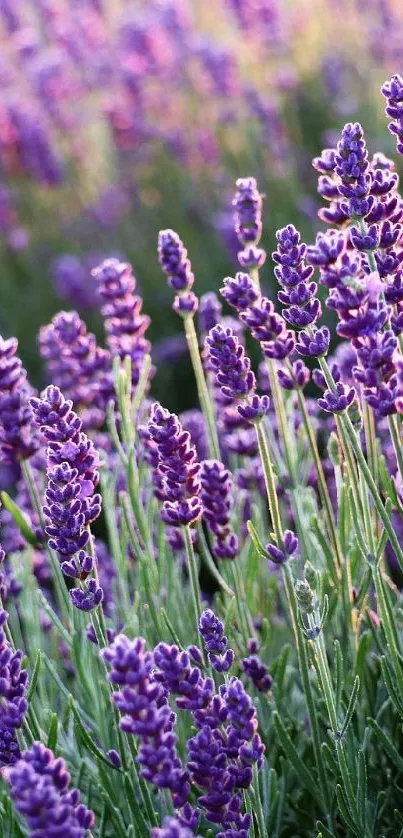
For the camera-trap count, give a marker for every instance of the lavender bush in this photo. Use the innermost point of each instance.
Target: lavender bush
(201, 615)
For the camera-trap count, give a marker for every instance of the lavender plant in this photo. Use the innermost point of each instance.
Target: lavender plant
(202, 634)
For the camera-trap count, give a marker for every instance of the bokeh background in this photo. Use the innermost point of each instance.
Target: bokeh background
(118, 120)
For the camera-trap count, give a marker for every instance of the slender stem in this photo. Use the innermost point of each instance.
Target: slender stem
(292, 603)
(323, 490)
(351, 434)
(397, 443)
(202, 389)
(209, 562)
(193, 576)
(391, 639)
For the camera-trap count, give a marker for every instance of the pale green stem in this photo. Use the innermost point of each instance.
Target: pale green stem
(193, 576)
(202, 389)
(397, 443)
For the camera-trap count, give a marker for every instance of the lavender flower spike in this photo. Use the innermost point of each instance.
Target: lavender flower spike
(40, 789)
(71, 505)
(233, 373)
(393, 92)
(13, 684)
(216, 497)
(17, 440)
(178, 467)
(212, 632)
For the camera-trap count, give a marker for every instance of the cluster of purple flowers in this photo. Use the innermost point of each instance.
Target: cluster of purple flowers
(71, 505)
(216, 495)
(14, 705)
(40, 788)
(247, 205)
(18, 441)
(174, 262)
(362, 268)
(76, 364)
(145, 713)
(233, 373)
(125, 323)
(212, 632)
(177, 466)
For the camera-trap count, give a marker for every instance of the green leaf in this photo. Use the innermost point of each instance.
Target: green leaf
(339, 675)
(344, 810)
(362, 789)
(317, 529)
(19, 519)
(363, 646)
(35, 675)
(303, 774)
(53, 732)
(330, 758)
(86, 738)
(256, 541)
(387, 744)
(324, 831)
(351, 706)
(387, 677)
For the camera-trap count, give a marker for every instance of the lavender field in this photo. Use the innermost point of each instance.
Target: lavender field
(201, 417)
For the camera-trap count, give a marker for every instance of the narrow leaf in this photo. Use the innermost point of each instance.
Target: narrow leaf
(362, 788)
(86, 738)
(303, 774)
(53, 732)
(387, 744)
(19, 519)
(35, 675)
(256, 541)
(351, 706)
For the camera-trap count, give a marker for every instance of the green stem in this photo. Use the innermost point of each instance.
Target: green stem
(391, 639)
(270, 484)
(202, 389)
(397, 443)
(193, 576)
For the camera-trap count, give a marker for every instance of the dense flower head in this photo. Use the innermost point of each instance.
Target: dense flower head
(125, 323)
(337, 401)
(247, 205)
(14, 705)
(174, 261)
(216, 497)
(76, 364)
(40, 788)
(18, 441)
(392, 90)
(194, 422)
(216, 643)
(298, 294)
(146, 714)
(351, 166)
(178, 466)
(231, 366)
(255, 669)
(172, 828)
(70, 502)
(175, 671)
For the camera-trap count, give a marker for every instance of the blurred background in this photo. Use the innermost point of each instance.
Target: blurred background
(118, 119)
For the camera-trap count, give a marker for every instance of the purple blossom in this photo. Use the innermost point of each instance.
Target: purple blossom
(180, 678)
(298, 294)
(172, 828)
(17, 439)
(125, 324)
(177, 466)
(40, 789)
(279, 555)
(146, 714)
(256, 670)
(231, 366)
(216, 497)
(174, 262)
(339, 400)
(296, 377)
(76, 364)
(14, 705)
(215, 641)
(247, 205)
(210, 310)
(393, 92)
(351, 166)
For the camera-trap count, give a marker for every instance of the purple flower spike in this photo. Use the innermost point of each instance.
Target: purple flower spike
(296, 378)
(88, 598)
(315, 346)
(298, 294)
(393, 92)
(248, 204)
(290, 545)
(177, 466)
(172, 828)
(185, 304)
(17, 440)
(215, 642)
(228, 360)
(40, 789)
(142, 701)
(173, 259)
(255, 410)
(258, 672)
(124, 321)
(352, 168)
(338, 401)
(217, 499)
(240, 292)
(13, 686)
